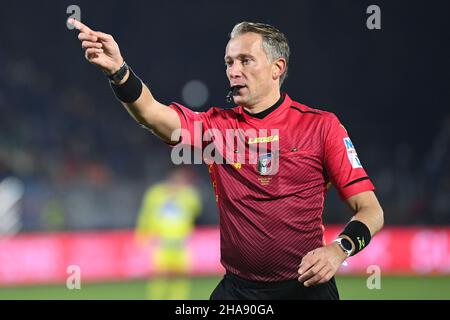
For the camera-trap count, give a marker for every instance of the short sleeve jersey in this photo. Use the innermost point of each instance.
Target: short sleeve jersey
(271, 184)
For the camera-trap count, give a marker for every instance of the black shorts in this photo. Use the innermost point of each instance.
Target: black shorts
(232, 287)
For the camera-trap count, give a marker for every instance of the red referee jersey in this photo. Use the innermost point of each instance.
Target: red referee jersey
(270, 219)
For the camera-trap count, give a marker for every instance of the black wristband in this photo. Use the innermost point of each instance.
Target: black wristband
(130, 90)
(359, 233)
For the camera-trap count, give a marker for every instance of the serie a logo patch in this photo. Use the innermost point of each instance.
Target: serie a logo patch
(351, 153)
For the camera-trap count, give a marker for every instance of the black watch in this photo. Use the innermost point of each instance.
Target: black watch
(119, 74)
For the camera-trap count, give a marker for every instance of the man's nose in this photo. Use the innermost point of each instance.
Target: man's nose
(234, 70)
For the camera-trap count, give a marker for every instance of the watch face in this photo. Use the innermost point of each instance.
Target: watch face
(346, 244)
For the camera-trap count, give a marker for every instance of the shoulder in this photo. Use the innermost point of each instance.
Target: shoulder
(313, 114)
(223, 114)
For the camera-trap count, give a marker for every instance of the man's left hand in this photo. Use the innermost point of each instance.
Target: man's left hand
(320, 265)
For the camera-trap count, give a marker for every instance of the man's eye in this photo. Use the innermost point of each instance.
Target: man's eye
(228, 63)
(245, 61)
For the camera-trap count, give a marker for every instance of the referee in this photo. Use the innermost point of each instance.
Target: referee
(270, 220)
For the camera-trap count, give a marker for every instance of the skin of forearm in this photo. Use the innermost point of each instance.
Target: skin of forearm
(140, 108)
(372, 217)
(152, 115)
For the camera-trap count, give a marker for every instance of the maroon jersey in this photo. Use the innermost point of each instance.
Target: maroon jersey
(271, 203)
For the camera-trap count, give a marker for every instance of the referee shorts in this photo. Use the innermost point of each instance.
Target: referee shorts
(232, 287)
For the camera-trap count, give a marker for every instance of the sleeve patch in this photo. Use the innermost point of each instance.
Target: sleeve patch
(351, 153)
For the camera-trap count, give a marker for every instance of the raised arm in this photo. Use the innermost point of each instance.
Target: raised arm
(103, 51)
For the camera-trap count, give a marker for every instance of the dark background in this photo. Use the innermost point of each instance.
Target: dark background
(84, 163)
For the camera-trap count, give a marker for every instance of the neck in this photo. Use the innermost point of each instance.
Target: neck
(264, 104)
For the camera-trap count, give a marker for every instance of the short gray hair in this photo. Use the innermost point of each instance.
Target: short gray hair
(274, 42)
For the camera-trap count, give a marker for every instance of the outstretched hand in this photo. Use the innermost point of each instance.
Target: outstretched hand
(100, 48)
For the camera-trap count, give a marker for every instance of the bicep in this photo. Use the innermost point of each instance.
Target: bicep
(164, 121)
(175, 123)
(159, 118)
(362, 200)
(153, 115)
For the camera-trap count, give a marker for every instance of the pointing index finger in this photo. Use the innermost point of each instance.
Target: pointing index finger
(79, 26)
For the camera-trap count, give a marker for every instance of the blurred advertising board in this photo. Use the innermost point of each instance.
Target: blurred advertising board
(115, 255)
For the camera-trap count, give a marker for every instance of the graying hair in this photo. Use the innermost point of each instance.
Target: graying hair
(274, 42)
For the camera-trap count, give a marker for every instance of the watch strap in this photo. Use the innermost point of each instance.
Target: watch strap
(119, 74)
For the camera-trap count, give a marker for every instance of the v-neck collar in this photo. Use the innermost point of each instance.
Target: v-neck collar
(278, 108)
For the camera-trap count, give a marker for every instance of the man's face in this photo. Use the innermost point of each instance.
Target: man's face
(248, 66)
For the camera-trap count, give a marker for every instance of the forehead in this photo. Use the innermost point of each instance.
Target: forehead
(247, 43)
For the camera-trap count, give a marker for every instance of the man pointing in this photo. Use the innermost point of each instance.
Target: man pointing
(270, 222)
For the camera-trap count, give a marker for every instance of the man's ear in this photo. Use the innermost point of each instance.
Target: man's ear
(278, 68)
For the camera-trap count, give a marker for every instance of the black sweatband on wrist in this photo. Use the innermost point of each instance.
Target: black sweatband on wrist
(359, 233)
(130, 90)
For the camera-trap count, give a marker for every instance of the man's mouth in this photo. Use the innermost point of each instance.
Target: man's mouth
(233, 91)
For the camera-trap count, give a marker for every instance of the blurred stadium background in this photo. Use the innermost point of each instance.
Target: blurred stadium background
(74, 166)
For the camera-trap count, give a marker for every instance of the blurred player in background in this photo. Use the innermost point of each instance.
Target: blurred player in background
(166, 219)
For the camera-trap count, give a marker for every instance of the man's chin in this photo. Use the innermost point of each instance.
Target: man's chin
(239, 100)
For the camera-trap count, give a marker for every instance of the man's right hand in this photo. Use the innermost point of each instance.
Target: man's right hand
(103, 52)
(100, 48)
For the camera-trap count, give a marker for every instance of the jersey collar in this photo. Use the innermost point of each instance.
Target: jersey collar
(284, 103)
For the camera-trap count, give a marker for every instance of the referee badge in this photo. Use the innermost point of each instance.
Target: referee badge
(264, 164)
